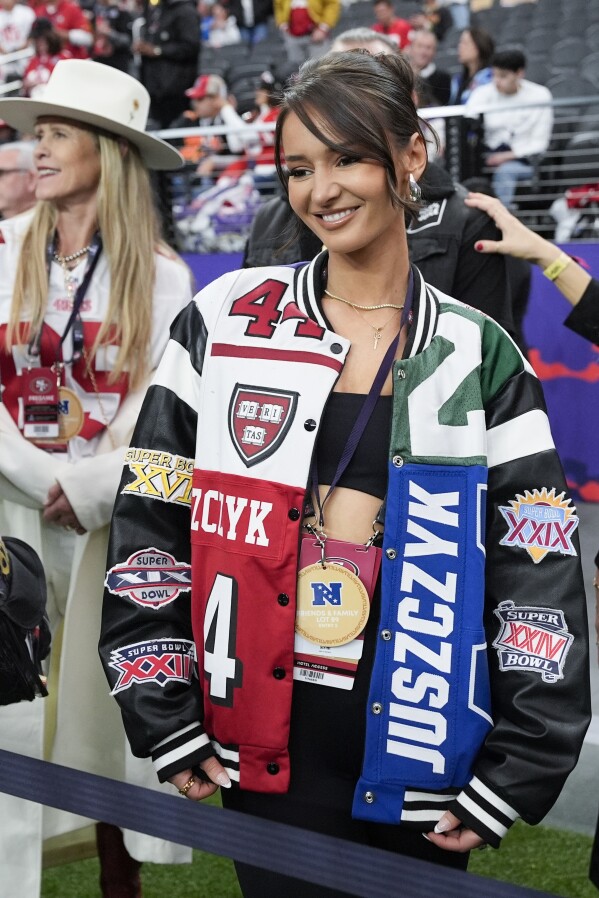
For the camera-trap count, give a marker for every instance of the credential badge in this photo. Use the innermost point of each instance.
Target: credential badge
(259, 419)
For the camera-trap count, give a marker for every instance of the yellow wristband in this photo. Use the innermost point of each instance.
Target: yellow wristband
(554, 270)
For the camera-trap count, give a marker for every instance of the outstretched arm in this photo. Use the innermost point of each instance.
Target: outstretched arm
(518, 240)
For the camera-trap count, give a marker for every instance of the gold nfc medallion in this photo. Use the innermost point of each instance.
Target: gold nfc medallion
(70, 422)
(332, 604)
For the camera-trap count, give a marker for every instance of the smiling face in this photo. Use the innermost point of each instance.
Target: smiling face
(67, 158)
(344, 199)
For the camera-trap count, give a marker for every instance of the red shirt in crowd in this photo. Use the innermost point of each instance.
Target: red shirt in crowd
(65, 16)
(399, 31)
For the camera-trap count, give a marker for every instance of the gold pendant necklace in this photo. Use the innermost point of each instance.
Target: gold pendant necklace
(377, 330)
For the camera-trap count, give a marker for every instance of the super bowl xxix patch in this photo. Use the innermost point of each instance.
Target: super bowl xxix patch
(540, 522)
(532, 639)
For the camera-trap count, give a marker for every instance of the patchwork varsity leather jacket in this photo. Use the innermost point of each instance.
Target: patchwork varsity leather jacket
(479, 694)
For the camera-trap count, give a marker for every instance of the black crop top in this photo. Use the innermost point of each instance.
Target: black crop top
(367, 470)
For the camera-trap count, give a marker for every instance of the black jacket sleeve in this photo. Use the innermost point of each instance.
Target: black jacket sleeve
(584, 317)
(146, 643)
(535, 614)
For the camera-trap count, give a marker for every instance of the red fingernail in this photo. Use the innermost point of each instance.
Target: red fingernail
(478, 247)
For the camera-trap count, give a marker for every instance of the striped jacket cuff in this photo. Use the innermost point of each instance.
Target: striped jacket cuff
(180, 751)
(481, 810)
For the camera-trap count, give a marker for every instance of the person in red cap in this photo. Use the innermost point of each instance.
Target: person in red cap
(207, 96)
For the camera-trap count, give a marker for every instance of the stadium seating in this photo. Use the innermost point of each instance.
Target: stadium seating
(560, 39)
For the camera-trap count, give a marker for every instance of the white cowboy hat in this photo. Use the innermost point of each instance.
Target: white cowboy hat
(99, 95)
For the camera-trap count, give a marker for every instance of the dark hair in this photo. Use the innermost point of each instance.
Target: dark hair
(484, 43)
(40, 27)
(356, 104)
(512, 60)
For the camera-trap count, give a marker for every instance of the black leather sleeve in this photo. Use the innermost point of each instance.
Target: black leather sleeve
(146, 644)
(535, 621)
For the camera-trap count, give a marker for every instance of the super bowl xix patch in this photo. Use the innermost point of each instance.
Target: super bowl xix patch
(532, 639)
(149, 577)
(540, 522)
(155, 661)
(159, 475)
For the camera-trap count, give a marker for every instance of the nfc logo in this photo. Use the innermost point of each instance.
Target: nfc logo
(326, 592)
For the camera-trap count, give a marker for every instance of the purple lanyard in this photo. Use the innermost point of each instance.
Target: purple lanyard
(363, 416)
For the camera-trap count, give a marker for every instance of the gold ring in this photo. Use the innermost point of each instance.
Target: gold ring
(185, 789)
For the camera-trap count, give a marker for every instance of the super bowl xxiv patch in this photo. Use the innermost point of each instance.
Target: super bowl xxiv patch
(259, 419)
(159, 475)
(153, 661)
(149, 577)
(532, 639)
(540, 522)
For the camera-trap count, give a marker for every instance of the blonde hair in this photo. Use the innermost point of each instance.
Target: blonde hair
(130, 232)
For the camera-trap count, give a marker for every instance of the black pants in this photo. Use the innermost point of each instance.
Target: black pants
(258, 883)
(326, 746)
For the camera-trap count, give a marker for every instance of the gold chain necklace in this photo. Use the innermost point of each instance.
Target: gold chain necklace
(377, 330)
(355, 305)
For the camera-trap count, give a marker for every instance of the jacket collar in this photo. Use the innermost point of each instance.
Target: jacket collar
(310, 280)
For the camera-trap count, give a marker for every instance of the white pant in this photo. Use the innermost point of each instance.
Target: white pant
(23, 824)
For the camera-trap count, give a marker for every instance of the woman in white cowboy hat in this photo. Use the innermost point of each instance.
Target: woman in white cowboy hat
(87, 294)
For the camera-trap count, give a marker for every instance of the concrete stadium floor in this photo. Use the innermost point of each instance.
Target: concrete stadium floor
(578, 805)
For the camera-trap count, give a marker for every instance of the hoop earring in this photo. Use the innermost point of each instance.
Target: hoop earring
(415, 191)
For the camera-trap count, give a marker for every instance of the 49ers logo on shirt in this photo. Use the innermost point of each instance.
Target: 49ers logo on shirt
(259, 419)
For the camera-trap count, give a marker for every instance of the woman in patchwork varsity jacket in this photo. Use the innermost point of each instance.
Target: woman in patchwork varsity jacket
(246, 633)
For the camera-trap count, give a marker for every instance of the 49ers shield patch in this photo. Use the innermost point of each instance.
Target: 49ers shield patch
(259, 419)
